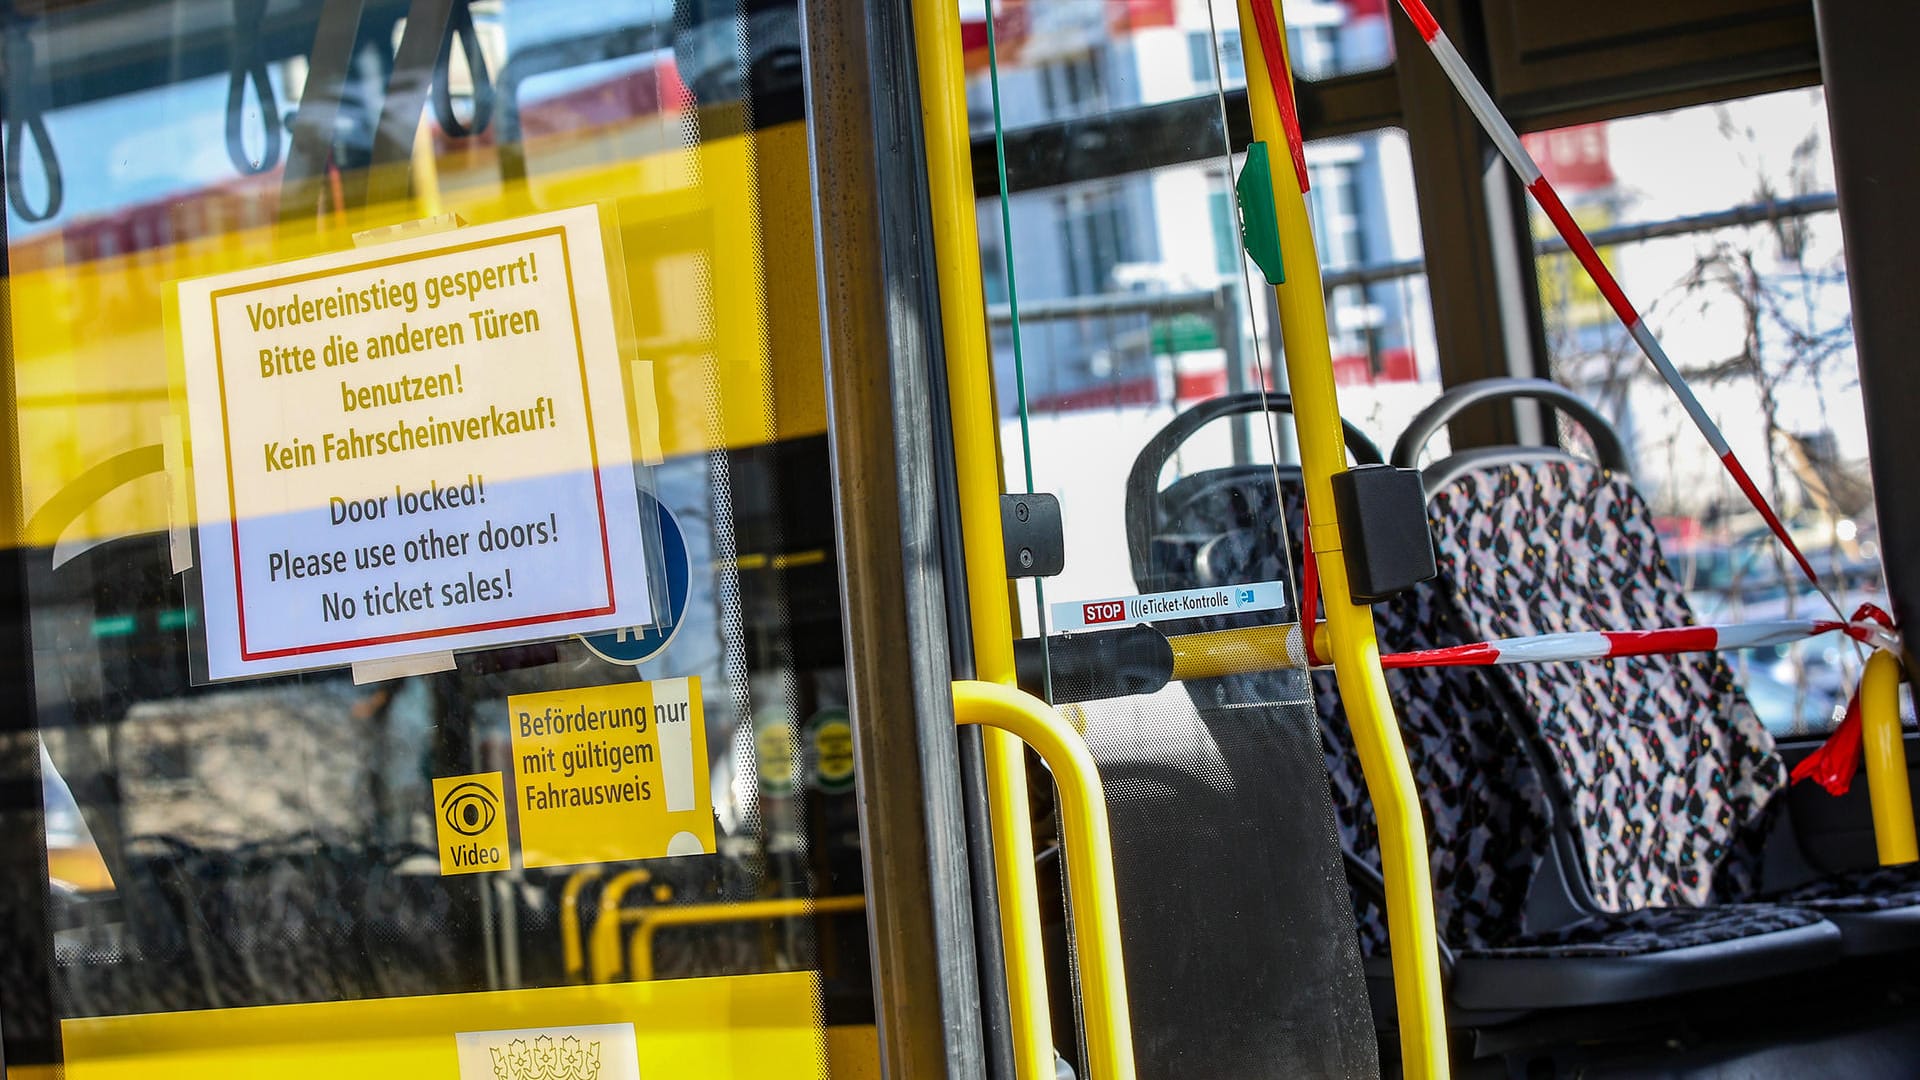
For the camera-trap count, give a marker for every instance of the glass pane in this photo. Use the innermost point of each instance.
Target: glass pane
(1100, 258)
(1124, 319)
(1720, 222)
(1078, 58)
(1326, 38)
(431, 571)
(1367, 225)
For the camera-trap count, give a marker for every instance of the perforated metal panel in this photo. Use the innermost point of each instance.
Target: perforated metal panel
(1241, 957)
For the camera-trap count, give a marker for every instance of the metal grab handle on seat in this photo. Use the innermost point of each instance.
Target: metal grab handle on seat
(1428, 422)
(1089, 851)
(1142, 515)
(1886, 753)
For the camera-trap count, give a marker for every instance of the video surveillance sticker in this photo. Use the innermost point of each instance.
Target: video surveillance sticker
(470, 819)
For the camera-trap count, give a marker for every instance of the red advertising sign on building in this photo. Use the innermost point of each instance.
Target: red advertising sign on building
(1573, 158)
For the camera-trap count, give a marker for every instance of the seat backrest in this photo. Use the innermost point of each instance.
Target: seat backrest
(1667, 772)
(1484, 810)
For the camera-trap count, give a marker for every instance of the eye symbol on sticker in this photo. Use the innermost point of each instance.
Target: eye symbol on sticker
(469, 809)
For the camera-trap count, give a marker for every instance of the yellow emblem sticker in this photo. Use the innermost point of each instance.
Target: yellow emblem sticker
(831, 733)
(470, 818)
(609, 773)
(773, 751)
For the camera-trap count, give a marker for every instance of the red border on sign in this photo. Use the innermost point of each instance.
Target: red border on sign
(593, 453)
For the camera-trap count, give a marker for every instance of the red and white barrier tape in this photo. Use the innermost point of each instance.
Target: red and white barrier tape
(1267, 25)
(1508, 141)
(1835, 762)
(1832, 766)
(1601, 645)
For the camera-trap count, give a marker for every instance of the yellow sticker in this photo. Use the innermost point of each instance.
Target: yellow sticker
(832, 751)
(609, 773)
(774, 751)
(470, 818)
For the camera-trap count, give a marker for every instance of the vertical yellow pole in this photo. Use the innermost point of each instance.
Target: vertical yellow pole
(572, 950)
(603, 941)
(1350, 631)
(1886, 753)
(976, 433)
(426, 170)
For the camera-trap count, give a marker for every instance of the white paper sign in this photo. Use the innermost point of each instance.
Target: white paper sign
(582, 1052)
(413, 447)
(1160, 607)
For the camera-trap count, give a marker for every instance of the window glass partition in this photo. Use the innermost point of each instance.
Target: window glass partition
(1137, 383)
(1720, 220)
(1379, 311)
(1083, 58)
(245, 804)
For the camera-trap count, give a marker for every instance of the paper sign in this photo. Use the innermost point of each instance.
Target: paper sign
(1161, 607)
(611, 773)
(578, 1052)
(415, 447)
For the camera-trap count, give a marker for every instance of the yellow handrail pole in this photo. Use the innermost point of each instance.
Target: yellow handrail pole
(1886, 753)
(426, 171)
(603, 941)
(1089, 858)
(571, 952)
(976, 434)
(1354, 649)
(648, 922)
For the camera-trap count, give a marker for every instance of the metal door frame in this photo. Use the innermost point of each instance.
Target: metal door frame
(881, 331)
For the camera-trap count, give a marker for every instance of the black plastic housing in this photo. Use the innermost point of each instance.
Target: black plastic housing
(1094, 665)
(1383, 527)
(1035, 542)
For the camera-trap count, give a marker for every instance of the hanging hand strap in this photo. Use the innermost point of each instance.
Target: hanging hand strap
(26, 117)
(245, 64)
(460, 24)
